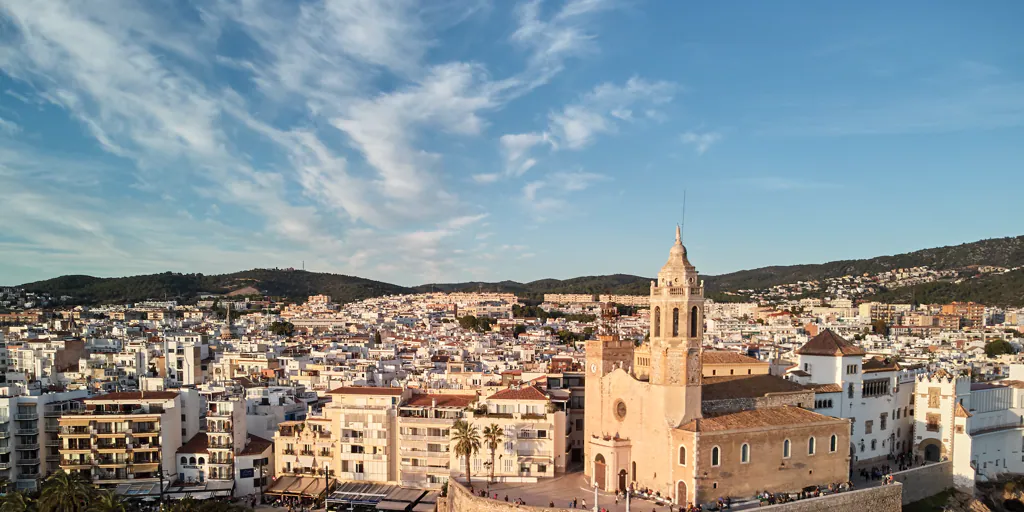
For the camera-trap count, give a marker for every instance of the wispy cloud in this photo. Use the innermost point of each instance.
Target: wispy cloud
(9, 127)
(701, 142)
(598, 111)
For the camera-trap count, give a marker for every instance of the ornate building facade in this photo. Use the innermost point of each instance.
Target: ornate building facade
(645, 409)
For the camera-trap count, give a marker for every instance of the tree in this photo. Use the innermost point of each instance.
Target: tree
(518, 329)
(468, 322)
(15, 501)
(467, 443)
(880, 327)
(376, 338)
(282, 328)
(998, 347)
(493, 435)
(107, 501)
(63, 492)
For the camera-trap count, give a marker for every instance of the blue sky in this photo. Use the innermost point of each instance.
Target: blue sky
(455, 140)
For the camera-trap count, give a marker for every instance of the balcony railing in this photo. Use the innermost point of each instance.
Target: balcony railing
(5, 466)
(28, 446)
(996, 427)
(28, 462)
(27, 416)
(30, 431)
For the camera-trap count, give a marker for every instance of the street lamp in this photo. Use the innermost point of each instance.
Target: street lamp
(595, 496)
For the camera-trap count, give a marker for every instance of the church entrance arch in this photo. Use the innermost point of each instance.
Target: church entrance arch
(622, 480)
(931, 453)
(600, 469)
(681, 493)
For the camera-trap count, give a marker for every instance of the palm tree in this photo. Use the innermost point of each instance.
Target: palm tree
(14, 501)
(64, 492)
(493, 435)
(106, 501)
(467, 443)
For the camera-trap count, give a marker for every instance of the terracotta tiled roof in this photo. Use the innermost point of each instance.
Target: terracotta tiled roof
(134, 395)
(785, 416)
(746, 386)
(827, 388)
(829, 343)
(523, 393)
(880, 364)
(427, 400)
(257, 445)
(197, 444)
(365, 390)
(725, 357)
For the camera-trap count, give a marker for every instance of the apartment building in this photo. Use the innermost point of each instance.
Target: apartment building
(424, 424)
(566, 392)
(971, 314)
(126, 437)
(626, 300)
(365, 419)
(534, 443)
(28, 434)
(185, 357)
(568, 298)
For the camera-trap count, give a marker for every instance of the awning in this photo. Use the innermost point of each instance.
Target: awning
(298, 486)
(393, 505)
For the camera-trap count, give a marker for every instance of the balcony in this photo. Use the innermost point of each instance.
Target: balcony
(52, 457)
(288, 452)
(998, 427)
(27, 416)
(4, 434)
(27, 431)
(75, 464)
(5, 466)
(53, 442)
(52, 429)
(28, 462)
(28, 446)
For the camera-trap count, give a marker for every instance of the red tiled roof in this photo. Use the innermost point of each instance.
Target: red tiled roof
(746, 386)
(786, 416)
(427, 400)
(725, 357)
(523, 393)
(828, 343)
(198, 444)
(827, 388)
(365, 390)
(257, 445)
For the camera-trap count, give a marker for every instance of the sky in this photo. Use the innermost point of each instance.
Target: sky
(448, 140)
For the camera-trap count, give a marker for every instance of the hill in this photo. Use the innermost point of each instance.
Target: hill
(1001, 289)
(293, 284)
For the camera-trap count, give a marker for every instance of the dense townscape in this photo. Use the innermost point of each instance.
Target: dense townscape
(398, 401)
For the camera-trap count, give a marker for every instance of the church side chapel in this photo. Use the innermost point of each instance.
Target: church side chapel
(653, 421)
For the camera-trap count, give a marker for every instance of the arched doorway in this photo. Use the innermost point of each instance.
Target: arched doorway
(599, 471)
(932, 453)
(622, 480)
(634, 471)
(681, 493)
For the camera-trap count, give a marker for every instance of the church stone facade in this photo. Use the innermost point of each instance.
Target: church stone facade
(644, 425)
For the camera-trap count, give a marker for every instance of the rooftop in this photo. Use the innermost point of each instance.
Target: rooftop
(759, 418)
(134, 396)
(365, 390)
(726, 357)
(828, 343)
(198, 444)
(523, 393)
(746, 386)
(442, 400)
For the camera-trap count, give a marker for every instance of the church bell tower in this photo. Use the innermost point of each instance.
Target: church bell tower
(677, 325)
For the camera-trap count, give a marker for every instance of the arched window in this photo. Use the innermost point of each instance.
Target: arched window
(202, 461)
(874, 444)
(745, 453)
(657, 321)
(184, 460)
(191, 460)
(675, 322)
(634, 471)
(715, 456)
(682, 455)
(810, 446)
(693, 321)
(786, 449)
(833, 443)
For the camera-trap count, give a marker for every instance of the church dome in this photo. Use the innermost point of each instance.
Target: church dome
(677, 255)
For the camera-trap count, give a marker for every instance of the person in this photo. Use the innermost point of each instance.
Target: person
(506, 498)
(575, 501)
(584, 503)
(551, 504)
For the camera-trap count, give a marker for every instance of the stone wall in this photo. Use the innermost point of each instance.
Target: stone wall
(460, 500)
(886, 498)
(925, 481)
(797, 399)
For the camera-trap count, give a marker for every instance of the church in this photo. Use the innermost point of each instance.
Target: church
(653, 420)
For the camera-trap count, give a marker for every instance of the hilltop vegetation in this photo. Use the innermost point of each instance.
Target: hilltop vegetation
(999, 289)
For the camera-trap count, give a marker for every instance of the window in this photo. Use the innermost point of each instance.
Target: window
(682, 455)
(810, 446)
(833, 443)
(191, 460)
(184, 460)
(933, 420)
(715, 456)
(849, 391)
(786, 449)
(542, 434)
(868, 426)
(657, 321)
(694, 317)
(875, 387)
(851, 369)
(883, 420)
(959, 429)
(874, 444)
(202, 461)
(675, 322)
(745, 453)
